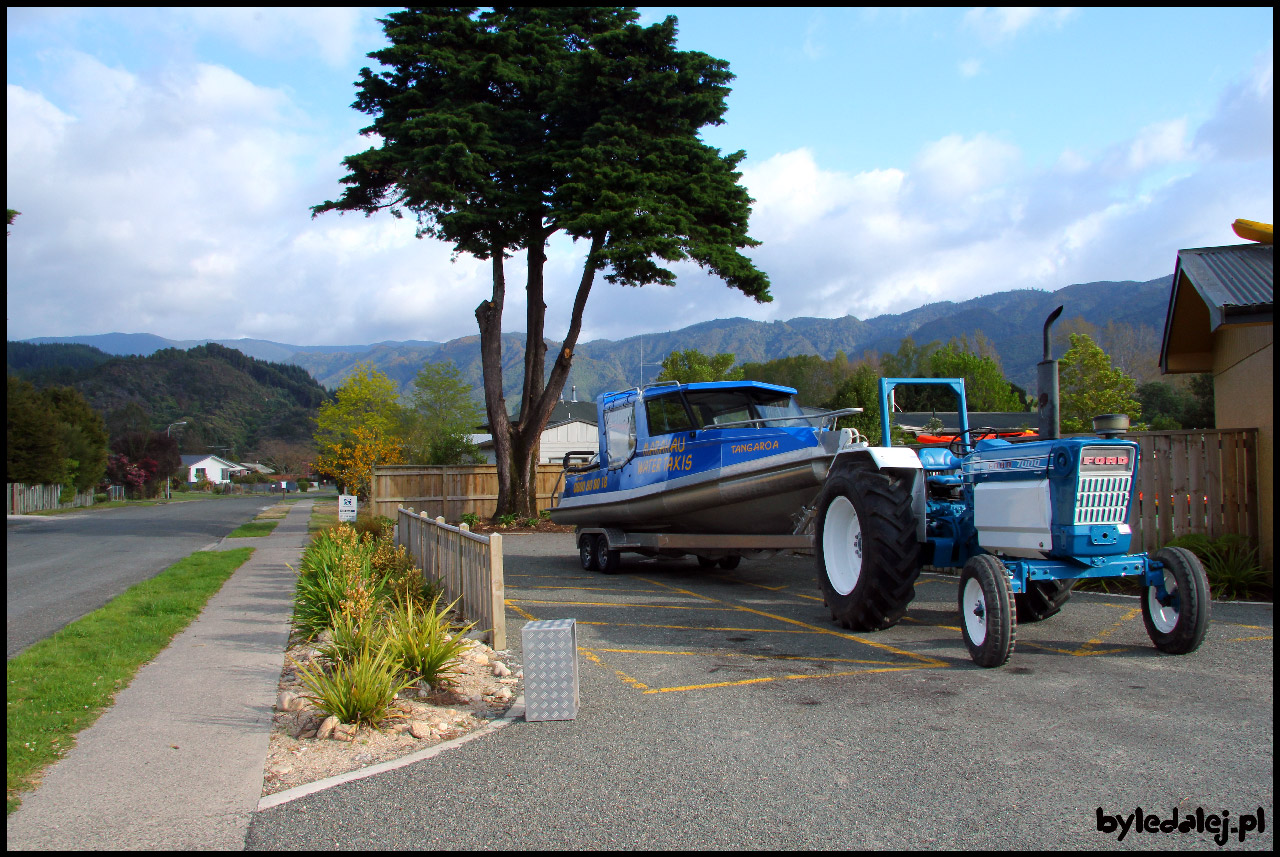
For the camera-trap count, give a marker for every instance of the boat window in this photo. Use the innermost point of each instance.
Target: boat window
(620, 429)
(713, 407)
(774, 405)
(666, 415)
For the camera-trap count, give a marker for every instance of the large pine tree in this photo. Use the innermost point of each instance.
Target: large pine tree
(499, 129)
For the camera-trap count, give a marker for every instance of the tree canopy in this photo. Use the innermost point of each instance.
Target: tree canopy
(501, 128)
(1089, 386)
(692, 365)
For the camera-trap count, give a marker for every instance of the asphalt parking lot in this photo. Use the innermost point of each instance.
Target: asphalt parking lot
(724, 709)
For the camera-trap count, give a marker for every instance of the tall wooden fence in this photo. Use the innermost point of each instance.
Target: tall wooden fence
(448, 491)
(21, 499)
(1195, 481)
(468, 567)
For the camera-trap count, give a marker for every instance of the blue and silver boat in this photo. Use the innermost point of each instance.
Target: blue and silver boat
(728, 457)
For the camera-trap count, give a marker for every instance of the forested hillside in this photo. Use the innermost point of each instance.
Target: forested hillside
(230, 402)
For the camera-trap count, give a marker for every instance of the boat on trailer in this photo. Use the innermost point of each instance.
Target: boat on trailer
(717, 469)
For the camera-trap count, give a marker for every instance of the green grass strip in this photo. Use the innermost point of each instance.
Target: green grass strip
(62, 684)
(253, 530)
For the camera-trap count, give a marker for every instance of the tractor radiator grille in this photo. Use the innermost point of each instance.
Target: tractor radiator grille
(1103, 499)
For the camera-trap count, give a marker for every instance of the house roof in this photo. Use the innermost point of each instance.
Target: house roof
(1214, 287)
(189, 460)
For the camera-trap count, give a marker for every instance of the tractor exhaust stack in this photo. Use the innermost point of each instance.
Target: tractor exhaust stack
(1047, 386)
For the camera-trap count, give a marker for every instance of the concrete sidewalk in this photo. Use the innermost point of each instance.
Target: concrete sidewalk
(178, 761)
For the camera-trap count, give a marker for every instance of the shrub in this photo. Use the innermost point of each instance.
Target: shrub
(336, 567)
(421, 641)
(304, 485)
(507, 519)
(360, 690)
(1230, 563)
(101, 498)
(470, 519)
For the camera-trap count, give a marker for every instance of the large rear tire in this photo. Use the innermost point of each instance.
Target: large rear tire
(987, 617)
(1042, 599)
(1177, 624)
(865, 548)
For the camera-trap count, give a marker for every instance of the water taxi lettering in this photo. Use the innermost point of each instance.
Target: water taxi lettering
(759, 446)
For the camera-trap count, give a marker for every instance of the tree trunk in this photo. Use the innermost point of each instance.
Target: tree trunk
(489, 317)
(519, 493)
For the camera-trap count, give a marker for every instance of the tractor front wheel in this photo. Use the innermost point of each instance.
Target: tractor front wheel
(987, 616)
(1177, 623)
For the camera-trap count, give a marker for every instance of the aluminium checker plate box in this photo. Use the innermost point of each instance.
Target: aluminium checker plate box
(550, 650)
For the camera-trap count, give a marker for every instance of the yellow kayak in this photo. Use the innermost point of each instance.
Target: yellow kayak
(1251, 230)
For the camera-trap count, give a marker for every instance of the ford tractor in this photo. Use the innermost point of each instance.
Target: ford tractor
(1024, 521)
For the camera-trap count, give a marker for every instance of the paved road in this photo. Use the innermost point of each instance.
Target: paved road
(725, 710)
(60, 567)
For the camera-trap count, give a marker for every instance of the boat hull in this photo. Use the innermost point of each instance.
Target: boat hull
(764, 496)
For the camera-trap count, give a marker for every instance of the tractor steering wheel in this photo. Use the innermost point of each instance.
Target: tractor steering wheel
(957, 444)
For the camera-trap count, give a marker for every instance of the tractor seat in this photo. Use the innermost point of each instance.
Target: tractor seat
(939, 465)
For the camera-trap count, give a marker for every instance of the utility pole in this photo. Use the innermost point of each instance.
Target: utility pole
(168, 494)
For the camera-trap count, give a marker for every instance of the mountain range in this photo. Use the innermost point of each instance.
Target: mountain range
(1012, 321)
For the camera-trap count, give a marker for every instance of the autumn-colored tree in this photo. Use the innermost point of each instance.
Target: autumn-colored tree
(350, 463)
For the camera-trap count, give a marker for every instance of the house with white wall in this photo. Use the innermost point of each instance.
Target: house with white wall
(211, 467)
(570, 428)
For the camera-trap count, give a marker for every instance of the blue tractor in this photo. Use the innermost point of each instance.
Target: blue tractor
(1024, 521)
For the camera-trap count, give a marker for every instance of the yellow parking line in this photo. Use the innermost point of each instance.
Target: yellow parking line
(931, 624)
(745, 582)
(526, 614)
(1097, 641)
(611, 604)
(695, 628)
(1246, 639)
(923, 658)
(723, 654)
(786, 678)
(626, 678)
(592, 589)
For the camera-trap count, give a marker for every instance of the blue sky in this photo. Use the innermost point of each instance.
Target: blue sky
(164, 162)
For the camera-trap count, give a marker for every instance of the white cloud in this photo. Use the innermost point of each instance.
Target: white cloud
(970, 68)
(997, 24)
(328, 32)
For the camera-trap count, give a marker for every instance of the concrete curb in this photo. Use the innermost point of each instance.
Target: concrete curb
(516, 712)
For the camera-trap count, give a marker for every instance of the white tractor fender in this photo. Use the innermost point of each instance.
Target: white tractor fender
(896, 458)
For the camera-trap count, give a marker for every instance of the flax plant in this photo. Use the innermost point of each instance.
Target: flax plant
(421, 641)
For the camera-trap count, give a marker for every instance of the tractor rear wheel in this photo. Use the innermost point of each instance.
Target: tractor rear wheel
(1177, 623)
(987, 617)
(1042, 599)
(865, 548)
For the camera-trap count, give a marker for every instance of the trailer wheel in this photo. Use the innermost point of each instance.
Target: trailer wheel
(987, 617)
(729, 563)
(706, 562)
(865, 548)
(1042, 599)
(606, 560)
(587, 552)
(1177, 624)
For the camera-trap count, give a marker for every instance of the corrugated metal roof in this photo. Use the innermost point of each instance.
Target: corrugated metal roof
(1238, 276)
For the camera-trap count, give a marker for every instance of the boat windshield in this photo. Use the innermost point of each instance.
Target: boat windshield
(717, 407)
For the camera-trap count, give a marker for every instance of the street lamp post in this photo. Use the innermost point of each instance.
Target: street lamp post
(167, 492)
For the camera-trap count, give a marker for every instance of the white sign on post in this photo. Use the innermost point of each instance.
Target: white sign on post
(346, 507)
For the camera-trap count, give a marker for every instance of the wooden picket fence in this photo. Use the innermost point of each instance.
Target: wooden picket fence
(1195, 481)
(447, 490)
(467, 566)
(21, 499)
